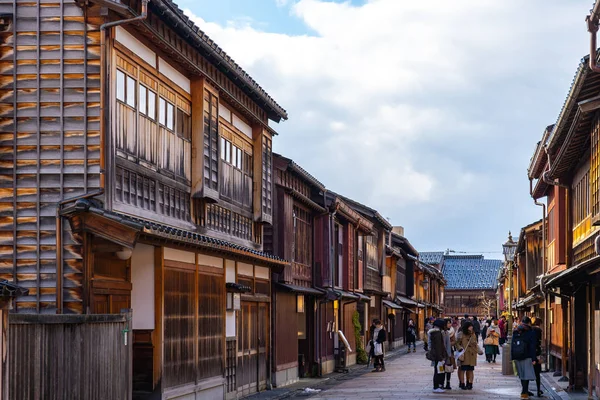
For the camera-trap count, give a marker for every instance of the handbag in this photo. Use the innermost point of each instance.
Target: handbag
(449, 368)
(488, 341)
(377, 349)
(440, 367)
(459, 355)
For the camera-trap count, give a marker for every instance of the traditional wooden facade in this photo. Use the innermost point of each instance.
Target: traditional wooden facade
(137, 173)
(345, 248)
(296, 206)
(401, 264)
(564, 169)
(429, 290)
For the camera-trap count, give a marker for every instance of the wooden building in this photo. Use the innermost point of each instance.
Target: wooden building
(564, 170)
(401, 265)
(137, 173)
(429, 288)
(470, 280)
(345, 248)
(296, 206)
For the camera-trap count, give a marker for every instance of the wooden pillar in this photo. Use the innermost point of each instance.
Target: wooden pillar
(591, 300)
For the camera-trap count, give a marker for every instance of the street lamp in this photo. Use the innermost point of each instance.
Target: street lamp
(509, 249)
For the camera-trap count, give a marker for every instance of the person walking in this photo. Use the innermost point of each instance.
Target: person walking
(468, 360)
(492, 342)
(537, 367)
(428, 326)
(476, 327)
(449, 342)
(379, 338)
(411, 335)
(484, 329)
(522, 352)
(437, 354)
(503, 332)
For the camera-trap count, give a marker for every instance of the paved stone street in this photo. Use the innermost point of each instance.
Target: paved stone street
(410, 377)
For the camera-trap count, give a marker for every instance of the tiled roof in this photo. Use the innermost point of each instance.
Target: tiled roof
(182, 236)
(431, 257)
(471, 272)
(171, 11)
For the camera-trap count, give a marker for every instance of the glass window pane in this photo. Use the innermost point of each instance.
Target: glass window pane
(120, 86)
(239, 158)
(131, 91)
(170, 111)
(162, 111)
(227, 151)
(222, 149)
(151, 104)
(142, 105)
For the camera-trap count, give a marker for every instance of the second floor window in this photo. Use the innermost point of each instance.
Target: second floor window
(152, 120)
(371, 252)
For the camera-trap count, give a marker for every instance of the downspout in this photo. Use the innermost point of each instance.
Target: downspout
(592, 26)
(544, 272)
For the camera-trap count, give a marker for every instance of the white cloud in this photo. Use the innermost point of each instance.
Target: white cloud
(412, 105)
(281, 3)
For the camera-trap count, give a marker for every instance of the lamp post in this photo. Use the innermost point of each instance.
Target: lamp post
(509, 249)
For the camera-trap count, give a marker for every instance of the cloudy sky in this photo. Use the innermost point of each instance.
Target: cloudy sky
(428, 111)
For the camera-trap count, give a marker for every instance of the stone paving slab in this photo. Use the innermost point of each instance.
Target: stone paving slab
(408, 376)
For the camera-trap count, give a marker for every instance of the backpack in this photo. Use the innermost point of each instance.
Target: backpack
(518, 347)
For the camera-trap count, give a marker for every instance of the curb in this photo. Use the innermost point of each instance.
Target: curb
(556, 393)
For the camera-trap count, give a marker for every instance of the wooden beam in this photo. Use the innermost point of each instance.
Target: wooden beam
(157, 334)
(589, 105)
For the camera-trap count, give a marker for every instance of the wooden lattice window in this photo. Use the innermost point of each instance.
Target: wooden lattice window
(211, 321)
(267, 178)
(371, 252)
(211, 155)
(595, 167)
(302, 236)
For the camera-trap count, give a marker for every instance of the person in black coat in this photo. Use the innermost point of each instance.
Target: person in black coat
(411, 335)
(379, 338)
(476, 327)
(523, 354)
(537, 368)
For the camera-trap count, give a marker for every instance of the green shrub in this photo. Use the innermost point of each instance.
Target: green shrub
(361, 354)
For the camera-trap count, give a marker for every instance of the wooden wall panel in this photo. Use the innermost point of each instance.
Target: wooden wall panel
(347, 326)
(286, 330)
(49, 143)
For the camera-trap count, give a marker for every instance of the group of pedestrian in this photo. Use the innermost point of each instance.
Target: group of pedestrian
(450, 349)
(452, 345)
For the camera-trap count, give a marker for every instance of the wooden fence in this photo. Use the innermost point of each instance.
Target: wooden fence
(69, 357)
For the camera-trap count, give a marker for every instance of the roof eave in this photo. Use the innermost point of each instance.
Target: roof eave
(179, 21)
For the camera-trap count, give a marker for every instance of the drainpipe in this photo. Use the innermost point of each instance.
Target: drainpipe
(545, 271)
(592, 26)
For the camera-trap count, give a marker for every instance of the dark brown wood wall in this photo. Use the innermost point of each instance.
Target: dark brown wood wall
(349, 257)
(49, 144)
(286, 331)
(327, 317)
(322, 255)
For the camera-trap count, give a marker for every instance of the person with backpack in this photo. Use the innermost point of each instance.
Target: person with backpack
(476, 328)
(522, 352)
(437, 354)
(537, 368)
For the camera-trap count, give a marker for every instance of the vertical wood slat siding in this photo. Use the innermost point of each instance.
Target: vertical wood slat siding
(286, 329)
(348, 326)
(211, 296)
(69, 360)
(179, 365)
(49, 144)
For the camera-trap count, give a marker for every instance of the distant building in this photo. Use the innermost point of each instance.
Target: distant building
(471, 282)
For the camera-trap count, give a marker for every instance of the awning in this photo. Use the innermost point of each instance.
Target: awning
(392, 305)
(531, 300)
(406, 301)
(567, 275)
(299, 289)
(362, 297)
(237, 287)
(347, 295)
